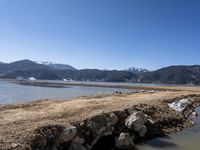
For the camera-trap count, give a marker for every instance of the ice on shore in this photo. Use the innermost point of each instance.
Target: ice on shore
(179, 105)
(32, 78)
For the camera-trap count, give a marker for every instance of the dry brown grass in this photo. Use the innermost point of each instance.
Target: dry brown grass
(18, 121)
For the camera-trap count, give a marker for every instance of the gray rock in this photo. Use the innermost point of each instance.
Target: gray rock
(112, 120)
(135, 121)
(121, 114)
(68, 134)
(142, 131)
(82, 124)
(76, 146)
(98, 124)
(124, 141)
(194, 114)
(151, 121)
(78, 139)
(14, 145)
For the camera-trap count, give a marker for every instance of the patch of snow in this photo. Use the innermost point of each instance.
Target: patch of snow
(45, 63)
(179, 105)
(39, 62)
(65, 80)
(32, 78)
(137, 69)
(70, 79)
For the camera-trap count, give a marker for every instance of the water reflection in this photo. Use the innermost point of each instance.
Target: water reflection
(162, 143)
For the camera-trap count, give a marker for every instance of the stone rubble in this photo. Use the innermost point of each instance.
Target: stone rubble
(123, 128)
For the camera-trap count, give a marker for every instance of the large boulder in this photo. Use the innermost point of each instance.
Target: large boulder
(135, 121)
(142, 131)
(124, 141)
(102, 123)
(68, 134)
(97, 124)
(78, 139)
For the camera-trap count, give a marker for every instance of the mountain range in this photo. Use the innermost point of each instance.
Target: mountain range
(26, 69)
(56, 66)
(173, 75)
(137, 71)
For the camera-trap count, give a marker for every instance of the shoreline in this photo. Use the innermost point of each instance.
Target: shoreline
(116, 85)
(21, 124)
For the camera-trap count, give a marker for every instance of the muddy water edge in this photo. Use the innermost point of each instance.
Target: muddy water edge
(184, 140)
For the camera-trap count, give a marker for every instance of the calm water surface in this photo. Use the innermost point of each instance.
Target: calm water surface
(15, 93)
(115, 83)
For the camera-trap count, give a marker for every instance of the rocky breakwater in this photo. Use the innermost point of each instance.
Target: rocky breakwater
(118, 129)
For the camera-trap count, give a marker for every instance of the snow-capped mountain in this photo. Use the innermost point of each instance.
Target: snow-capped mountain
(137, 71)
(45, 62)
(56, 65)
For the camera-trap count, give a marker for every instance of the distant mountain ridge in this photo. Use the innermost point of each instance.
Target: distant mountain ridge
(26, 69)
(137, 71)
(56, 66)
(173, 75)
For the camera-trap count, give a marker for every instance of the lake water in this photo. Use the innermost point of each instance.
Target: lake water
(114, 83)
(189, 139)
(15, 93)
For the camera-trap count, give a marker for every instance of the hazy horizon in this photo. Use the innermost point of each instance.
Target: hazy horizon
(102, 34)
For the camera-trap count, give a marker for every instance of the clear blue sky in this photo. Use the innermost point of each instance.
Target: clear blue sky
(112, 34)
